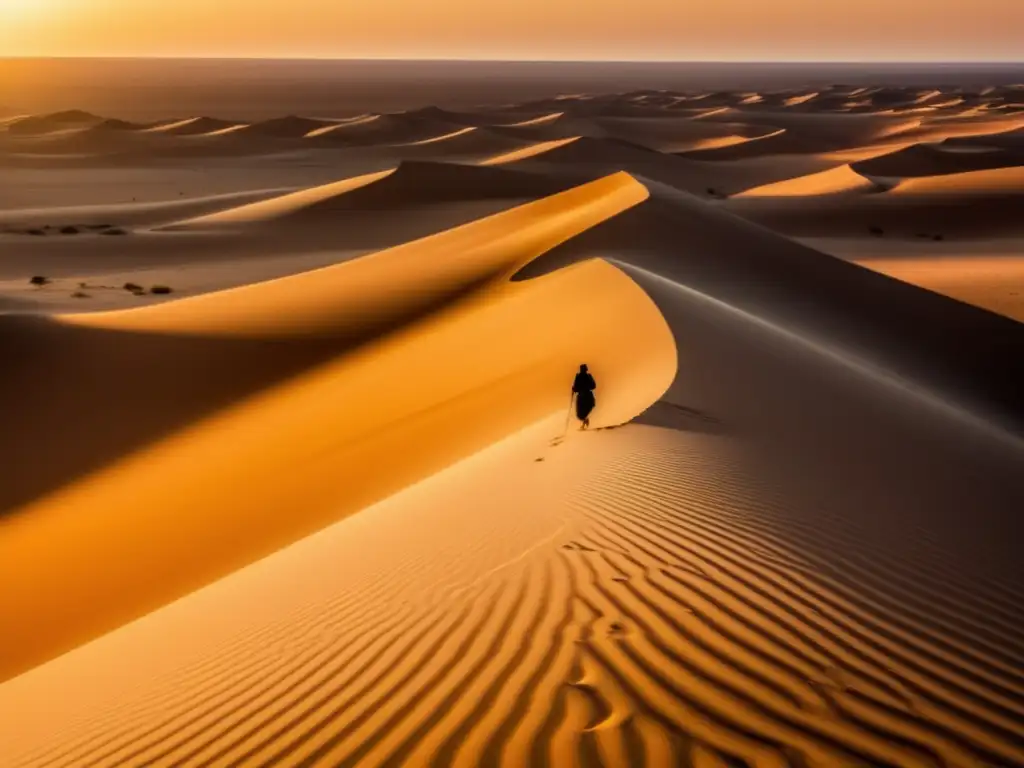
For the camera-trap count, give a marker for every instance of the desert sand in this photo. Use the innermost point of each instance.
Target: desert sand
(289, 477)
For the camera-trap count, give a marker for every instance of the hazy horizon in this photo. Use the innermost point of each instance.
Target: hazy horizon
(496, 60)
(156, 88)
(531, 30)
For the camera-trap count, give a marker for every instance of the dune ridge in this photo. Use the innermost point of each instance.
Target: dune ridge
(837, 180)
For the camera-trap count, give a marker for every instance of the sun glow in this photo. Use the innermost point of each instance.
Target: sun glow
(19, 8)
(853, 30)
(19, 23)
(18, 17)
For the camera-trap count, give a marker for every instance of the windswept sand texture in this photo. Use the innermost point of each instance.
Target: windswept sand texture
(320, 504)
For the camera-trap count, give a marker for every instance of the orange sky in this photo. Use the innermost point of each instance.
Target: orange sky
(890, 30)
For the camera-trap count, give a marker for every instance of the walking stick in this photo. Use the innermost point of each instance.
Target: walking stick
(568, 415)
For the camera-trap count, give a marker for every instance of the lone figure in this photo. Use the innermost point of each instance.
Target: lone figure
(583, 387)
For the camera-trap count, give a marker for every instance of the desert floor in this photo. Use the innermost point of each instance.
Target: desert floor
(288, 477)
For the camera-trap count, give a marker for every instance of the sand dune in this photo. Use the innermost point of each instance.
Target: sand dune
(130, 215)
(465, 143)
(1000, 181)
(8, 120)
(412, 183)
(980, 203)
(100, 138)
(192, 126)
(540, 149)
(833, 181)
(814, 132)
(1010, 140)
(325, 315)
(289, 127)
(386, 130)
(34, 125)
(327, 507)
(684, 598)
(482, 117)
(680, 135)
(584, 156)
(535, 121)
(941, 128)
(938, 160)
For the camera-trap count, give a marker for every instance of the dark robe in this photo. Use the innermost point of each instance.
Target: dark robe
(584, 386)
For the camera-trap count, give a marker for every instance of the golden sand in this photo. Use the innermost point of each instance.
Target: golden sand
(323, 503)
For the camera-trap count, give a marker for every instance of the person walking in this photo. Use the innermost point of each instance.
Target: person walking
(583, 387)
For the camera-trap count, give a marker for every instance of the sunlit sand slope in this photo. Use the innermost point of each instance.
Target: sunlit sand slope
(833, 181)
(366, 409)
(995, 282)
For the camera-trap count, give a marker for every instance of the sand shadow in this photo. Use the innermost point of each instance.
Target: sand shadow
(682, 418)
(77, 398)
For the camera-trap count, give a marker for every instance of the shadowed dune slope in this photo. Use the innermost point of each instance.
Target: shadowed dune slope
(383, 130)
(289, 127)
(588, 157)
(135, 214)
(938, 160)
(979, 203)
(34, 125)
(468, 142)
(807, 133)
(966, 354)
(669, 134)
(1010, 140)
(410, 184)
(977, 276)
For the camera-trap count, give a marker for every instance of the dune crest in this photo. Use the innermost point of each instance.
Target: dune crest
(992, 181)
(833, 181)
(282, 206)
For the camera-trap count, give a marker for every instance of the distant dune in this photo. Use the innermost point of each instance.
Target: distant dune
(975, 204)
(192, 126)
(833, 181)
(940, 159)
(295, 476)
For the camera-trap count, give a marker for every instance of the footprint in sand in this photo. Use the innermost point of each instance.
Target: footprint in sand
(617, 629)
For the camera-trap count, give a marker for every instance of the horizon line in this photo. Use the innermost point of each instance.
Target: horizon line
(467, 60)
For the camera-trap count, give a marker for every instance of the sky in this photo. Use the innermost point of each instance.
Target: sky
(674, 30)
